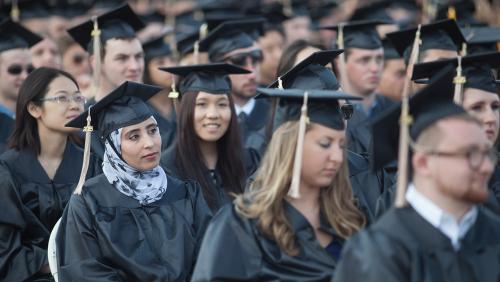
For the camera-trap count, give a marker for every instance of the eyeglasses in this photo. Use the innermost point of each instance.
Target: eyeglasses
(475, 156)
(256, 56)
(18, 69)
(79, 99)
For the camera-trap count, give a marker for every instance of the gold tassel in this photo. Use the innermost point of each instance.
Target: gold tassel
(452, 13)
(96, 32)
(15, 13)
(174, 95)
(203, 31)
(86, 154)
(294, 191)
(196, 52)
(344, 80)
(459, 81)
(404, 124)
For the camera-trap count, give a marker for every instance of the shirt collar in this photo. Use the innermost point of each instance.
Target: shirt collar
(7, 111)
(247, 108)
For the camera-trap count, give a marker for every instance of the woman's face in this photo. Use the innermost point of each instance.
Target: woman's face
(62, 103)
(141, 145)
(212, 115)
(322, 156)
(483, 106)
(157, 76)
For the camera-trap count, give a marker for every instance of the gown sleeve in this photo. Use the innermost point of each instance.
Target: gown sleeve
(18, 261)
(78, 247)
(229, 251)
(373, 257)
(201, 213)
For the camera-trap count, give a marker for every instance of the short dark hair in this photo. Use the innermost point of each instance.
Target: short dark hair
(34, 88)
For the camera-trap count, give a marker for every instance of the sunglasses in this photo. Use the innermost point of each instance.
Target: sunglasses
(240, 60)
(18, 69)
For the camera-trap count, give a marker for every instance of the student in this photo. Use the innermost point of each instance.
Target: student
(43, 167)
(442, 234)
(268, 234)
(133, 222)
(394, 73)
(208, 147)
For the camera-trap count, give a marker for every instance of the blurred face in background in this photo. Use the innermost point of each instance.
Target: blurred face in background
(46, 54)
(272, 47)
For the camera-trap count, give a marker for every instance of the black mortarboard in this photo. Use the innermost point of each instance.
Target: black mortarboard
(121, 22)
(322, 106)
(156, 47)
(442, 35)
(475, 68)
(481, 39)
(274, 15)
(426, 107)
(185, 42)
(122, 107)
(375, 11)
(390, 52)
(210, 78)
(231, 35)
(310, 73)
(13, 35)
(360, 34)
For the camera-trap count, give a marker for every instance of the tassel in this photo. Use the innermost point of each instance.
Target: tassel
(280, 83)
(404, 126)
(174, 95)
(297, 165)
(15, 13)
(344, 80)
(96, 32)
(86, 154)
(459, 81)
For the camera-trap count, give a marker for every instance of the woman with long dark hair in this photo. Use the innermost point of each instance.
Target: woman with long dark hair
(208, 147)
(43, 166)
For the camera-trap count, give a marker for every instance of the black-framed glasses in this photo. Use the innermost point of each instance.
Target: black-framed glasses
(475, 156)
(256, 56)
(63, 99)
(18, 69)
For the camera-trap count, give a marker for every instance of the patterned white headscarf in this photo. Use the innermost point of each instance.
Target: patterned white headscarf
(144, 186)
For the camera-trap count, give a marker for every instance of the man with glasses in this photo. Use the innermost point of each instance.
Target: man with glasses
(442, 234)
(234, 42)
(15, 65)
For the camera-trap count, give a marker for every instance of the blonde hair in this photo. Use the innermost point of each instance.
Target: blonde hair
(264, 199)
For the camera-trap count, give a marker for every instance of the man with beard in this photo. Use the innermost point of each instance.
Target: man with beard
(443, 234)
(15, 65)
(234, 42)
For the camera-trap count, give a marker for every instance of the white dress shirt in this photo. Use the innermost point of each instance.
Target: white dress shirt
(247, 108)
(445, 222)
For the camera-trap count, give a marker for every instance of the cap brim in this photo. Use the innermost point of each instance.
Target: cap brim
(217, 67)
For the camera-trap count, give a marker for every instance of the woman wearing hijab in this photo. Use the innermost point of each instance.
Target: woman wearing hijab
(133, 222)
(40, 172)
(208, 147)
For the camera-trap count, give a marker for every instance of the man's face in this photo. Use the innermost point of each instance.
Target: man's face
(272, 47)
(393, 79)
(437, 54)
(15, 65)
(454, 175)
(364, 69)
(124, 60)
(244, 86)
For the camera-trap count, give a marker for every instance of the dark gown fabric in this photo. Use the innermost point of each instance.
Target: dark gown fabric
(107, 236)
(493, 202)
(234, 249)
(6, 128)
(403, 246)
(253, 126)
(167, 127)
(359, 134)
(251, 159)
(31, 205)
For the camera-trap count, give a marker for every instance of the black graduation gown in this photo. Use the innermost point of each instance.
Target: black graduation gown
(6, 128)
(359, 134)
(251, 161)
(403, 246)
(31, 205)
(243, 253)
(493, 202)
(253, 126)
(107, 236)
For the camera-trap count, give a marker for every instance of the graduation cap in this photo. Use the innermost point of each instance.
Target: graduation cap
(426, 107)
(14, 35)
(373, 11)
(358, 34)
(476, 70)
(210, 78)
(231, 35)
(156, 47)
(122, 107)
(482, 39)
(121, 22)
(390, 52)
(442, 35)
(461, 10)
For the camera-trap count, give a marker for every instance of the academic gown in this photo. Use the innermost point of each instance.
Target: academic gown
(251, 161)
(244, 253)
(107, 236)
(359, 133)
(6, 128)
(31, 205)
(253, 126)
(403, 246)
